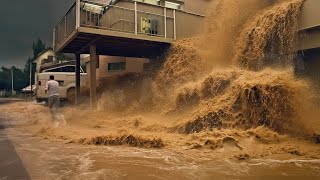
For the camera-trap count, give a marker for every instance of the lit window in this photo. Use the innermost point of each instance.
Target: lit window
(154, 2)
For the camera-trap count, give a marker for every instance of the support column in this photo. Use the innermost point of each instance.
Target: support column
(165, 22)
(174, 25)
(77, 78)
(78, 2)
(93, 65)
(135, 18)
(54, 39)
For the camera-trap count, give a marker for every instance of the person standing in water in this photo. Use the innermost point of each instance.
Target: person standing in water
(52, 88)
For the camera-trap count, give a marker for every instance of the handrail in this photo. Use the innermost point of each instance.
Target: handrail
(106, 5)
(109, 18)
(62, 19)
(120, 21)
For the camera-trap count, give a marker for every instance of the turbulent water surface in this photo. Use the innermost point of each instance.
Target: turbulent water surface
(226, 104)
(45, 159)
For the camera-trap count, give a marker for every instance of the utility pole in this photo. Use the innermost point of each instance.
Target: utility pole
(12, 88)
(31, 78)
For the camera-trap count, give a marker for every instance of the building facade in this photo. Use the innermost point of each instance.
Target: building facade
(308, 60)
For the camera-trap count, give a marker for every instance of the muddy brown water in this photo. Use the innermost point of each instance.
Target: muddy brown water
(48, 159)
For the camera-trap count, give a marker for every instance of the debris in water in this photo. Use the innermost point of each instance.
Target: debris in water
(130, 140)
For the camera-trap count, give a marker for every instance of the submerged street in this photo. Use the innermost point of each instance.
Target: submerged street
(160, 90)
(25, 156)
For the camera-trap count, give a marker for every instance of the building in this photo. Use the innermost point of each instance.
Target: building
(138, 24)
(116, 65)
(45, 56)
(123, 31)
(308, 61)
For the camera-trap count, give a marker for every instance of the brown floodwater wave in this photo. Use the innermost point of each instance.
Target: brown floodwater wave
(204, 97)
(235, 75)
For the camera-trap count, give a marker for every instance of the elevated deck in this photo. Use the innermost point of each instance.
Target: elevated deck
(126, 30)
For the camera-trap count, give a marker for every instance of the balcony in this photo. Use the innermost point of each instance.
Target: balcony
(127, 28)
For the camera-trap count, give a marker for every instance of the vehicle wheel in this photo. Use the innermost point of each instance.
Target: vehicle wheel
(71, 95)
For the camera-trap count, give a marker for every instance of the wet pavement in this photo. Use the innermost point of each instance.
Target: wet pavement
(11, 166)
(24, 155)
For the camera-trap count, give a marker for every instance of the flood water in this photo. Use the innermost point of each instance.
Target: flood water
(47, 159)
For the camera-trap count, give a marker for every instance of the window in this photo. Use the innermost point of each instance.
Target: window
(69, 69)
(96, 9)
(154, 2)
(61, 83)
(118, 66)
(172, 5)
(54, 70)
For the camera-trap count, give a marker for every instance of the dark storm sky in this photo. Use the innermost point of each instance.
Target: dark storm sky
(22, 22)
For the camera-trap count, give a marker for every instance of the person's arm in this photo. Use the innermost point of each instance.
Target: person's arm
(46, 88)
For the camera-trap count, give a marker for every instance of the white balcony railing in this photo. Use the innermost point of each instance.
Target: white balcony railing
(115, 18)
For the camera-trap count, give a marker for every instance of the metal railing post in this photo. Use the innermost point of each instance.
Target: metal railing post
(174, 25)
(77, 14)
(135, 18)
(65, 26)
(54, 39)
(165, 22)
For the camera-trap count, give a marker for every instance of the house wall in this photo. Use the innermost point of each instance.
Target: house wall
(309, 39)
(310, 65)
(196, 6)
(133, 65)
(40, 59)
(310, 17)
(102, 71)
(310, 14)
(188, 25)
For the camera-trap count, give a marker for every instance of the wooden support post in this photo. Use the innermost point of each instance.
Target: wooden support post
(93, 65)
(165, 22)
(135, 18)
(77, 78)
(78, 3)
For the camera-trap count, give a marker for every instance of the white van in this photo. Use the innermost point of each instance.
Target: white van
(65, 75)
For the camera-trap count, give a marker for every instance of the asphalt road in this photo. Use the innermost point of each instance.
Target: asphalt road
(11, 166)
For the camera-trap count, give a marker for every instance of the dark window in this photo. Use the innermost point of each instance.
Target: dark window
(61, 83)
(118, 66)
(55, 70)
(63, 69)
(69, 69)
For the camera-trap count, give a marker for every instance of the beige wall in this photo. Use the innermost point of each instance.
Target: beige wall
(40, 59)
(133, 65)
(196, 6)
(102, 71)
(310, 14)
(310, 17)
(188, 25)
(309, 40)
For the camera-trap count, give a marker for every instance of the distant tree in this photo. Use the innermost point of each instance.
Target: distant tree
(19, 79)
(38, 47)
(6, 79)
